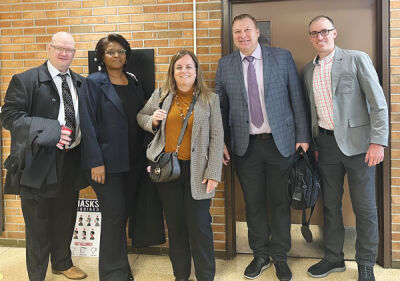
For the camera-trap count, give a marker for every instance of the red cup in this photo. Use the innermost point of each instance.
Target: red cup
(66, 129)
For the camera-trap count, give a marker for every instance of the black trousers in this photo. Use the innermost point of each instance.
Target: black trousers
(115, 198)
(263, 174)
(189, 228)
(50, 220)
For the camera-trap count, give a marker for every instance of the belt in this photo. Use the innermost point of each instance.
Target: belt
(265, 136)
(326, 132)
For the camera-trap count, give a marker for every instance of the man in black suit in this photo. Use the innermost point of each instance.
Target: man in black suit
(41, 111)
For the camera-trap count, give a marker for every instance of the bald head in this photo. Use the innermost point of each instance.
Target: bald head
(62, 36)
(61, 51)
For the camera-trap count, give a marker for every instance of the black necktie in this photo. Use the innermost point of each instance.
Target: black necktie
(68, 106)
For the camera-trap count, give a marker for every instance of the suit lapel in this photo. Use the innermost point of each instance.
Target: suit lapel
(309, 81)
(198, 111)
(45, 77)
(337, 68)
(76, 80)
(111, 94)
(238, 66)
(266, 67)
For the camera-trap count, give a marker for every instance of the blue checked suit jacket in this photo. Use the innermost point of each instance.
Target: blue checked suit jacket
(284, 101)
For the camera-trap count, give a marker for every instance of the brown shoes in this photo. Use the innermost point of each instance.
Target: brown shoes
(74, 273)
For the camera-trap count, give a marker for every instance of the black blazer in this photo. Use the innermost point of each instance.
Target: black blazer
(30, 112)
(104, 124)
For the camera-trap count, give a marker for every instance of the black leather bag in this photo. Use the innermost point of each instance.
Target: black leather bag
(166, 166)
(303, 189)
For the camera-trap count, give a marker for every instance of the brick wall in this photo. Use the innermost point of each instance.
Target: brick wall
(395, 124)
(165, 25)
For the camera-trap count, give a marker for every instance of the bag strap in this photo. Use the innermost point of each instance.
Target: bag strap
(185, 123)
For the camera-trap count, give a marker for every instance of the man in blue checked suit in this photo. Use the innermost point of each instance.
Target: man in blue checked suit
(264, 113)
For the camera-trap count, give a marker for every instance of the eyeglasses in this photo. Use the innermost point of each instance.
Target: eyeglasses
(113, 52)
(61, 49)
(323, 32)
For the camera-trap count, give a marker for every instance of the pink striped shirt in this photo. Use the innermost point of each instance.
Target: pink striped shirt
(322, 86)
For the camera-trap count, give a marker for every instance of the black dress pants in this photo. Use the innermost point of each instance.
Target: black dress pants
(49, 223)
(50, 214)
(115, 198)
(189, 228)
(263, 174)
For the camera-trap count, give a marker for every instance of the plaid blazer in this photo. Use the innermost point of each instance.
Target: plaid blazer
(284, 100)
(206, 142)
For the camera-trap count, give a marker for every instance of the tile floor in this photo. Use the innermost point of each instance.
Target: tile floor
(158, 268)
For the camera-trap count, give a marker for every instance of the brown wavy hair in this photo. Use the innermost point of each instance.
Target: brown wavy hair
(201, 90)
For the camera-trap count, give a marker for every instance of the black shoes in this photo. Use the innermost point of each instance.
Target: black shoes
(283, 271)
(257, 265)
(181, 279)
(365, 273)
(324, 267)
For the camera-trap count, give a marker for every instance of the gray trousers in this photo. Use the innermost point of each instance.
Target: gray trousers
(333, 166)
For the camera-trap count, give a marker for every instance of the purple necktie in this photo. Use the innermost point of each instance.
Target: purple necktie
(256, 114)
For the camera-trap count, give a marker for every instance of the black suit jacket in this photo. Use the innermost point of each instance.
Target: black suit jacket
(104, 124)
(30, 112)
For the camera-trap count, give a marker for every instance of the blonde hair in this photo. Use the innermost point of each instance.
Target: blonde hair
(201, 90)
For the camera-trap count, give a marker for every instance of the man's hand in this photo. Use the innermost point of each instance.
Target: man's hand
(98, 174)
(64, 138)
(374, 155)
(226, 157)
(303, 145)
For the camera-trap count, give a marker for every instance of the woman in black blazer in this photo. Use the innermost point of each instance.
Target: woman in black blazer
(112, 149)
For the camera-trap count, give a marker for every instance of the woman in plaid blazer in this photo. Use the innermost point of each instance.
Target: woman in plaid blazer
(186, 201)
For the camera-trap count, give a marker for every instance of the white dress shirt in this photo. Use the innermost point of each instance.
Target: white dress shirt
(258, 66)
(61, 113)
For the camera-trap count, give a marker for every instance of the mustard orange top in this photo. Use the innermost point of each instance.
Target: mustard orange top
(179, 108)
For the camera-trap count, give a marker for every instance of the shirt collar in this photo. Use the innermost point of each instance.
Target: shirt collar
(325, 60)
(256, 54)
(54, 71)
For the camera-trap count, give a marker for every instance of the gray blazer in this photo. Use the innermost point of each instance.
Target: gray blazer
(284, 100)
(360, 112)
(206, 144)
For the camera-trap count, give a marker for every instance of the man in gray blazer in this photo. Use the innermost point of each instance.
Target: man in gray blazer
(264, 110)
(349, 119)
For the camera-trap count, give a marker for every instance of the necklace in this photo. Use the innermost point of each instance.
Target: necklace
(183, 116)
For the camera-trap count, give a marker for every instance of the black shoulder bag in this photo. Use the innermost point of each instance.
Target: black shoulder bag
(166, 166)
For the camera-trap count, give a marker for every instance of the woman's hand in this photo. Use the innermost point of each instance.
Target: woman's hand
(98, 174)
(211, 185)
(158, 116)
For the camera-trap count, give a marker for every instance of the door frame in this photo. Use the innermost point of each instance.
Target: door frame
(383, 174)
